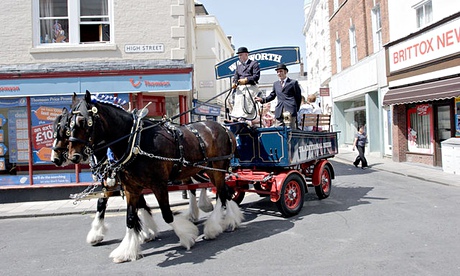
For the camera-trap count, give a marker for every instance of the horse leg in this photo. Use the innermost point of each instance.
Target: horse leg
(149, 227)
(184, 229)
(98, 227)
(226, 214)
(203, 202)
(193, 212)
(129, 248)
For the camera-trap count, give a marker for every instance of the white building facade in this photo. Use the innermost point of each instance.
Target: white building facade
(423, 59)
(318, 52)
(212, 47)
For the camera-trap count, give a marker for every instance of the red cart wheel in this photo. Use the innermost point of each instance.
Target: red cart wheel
(323, 190)
(292, 195)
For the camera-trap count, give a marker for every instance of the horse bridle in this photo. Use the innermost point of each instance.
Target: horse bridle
(56, 134)
(92, 116)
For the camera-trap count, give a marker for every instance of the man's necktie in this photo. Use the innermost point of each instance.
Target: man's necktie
(282, 83)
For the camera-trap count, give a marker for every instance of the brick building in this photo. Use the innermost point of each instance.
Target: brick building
(358, 31)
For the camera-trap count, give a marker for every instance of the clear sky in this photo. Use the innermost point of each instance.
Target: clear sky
(258, 24)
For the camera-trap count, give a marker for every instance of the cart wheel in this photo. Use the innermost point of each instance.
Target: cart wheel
(323, 190)
(292, 195)
(238, 196)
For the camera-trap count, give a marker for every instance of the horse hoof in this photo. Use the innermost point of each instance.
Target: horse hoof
(95, 242)
(206, 208)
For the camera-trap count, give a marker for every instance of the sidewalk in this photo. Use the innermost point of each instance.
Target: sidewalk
(117, 204)
(418, 171)
(70, 206)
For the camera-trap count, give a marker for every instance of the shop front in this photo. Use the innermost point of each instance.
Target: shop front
(29, 106)
(424, 91)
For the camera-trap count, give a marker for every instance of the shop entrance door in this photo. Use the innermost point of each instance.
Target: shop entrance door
(442, 129)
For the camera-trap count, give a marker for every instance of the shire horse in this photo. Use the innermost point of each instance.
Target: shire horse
(59, 156)
(150, 155)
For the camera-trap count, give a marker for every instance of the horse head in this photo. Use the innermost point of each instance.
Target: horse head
(92, 125)
(82, 119)
(61, 134)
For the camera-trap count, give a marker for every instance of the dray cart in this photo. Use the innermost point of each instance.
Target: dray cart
(278, 162)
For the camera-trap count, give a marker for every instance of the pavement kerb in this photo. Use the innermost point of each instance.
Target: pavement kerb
(425, 173)
(68, 211)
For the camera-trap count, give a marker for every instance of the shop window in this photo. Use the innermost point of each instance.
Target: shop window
(73, 21)
(420, 128)
(355, 116)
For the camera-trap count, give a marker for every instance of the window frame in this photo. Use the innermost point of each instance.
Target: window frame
(377, 28)
(74, 20)
(353, 46)
(338, 55)
(421, 17)
(416, 109)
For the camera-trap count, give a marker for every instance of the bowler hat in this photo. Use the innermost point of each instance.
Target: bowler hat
(281, 66)
(242, 50)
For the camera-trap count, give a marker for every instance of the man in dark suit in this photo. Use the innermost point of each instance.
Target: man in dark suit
(289, 96)
(245, 81)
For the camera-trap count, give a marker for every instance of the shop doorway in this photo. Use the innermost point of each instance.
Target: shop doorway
(443, 128)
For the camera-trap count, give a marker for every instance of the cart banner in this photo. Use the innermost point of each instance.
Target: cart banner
(268, 58)
(313, 146)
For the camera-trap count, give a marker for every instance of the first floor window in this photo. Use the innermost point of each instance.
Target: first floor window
(74, 21)
(54, 21)
(424, 13)
(419, 128)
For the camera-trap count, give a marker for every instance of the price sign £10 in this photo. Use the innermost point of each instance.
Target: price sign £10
(42, 136)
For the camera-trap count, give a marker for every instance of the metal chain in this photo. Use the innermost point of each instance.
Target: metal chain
(184, 162)
(78, 197)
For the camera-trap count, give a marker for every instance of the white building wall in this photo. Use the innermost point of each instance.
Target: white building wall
(318, 53)
(164, 22)
(213, 46)
(402, 15)
(400, 27)
(365, 76)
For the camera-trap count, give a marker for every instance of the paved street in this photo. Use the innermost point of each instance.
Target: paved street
(374, 223)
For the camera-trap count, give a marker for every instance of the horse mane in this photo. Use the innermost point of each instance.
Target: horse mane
(107, 99)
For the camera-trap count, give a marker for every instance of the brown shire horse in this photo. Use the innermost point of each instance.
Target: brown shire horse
(149, 155)
(59, 156)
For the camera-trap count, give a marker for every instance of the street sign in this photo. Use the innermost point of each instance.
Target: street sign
(268, 58)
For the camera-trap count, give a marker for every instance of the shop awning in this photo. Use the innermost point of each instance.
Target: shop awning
(431, 91)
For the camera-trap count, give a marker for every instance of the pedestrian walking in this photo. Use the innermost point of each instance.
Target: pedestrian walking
(360, 144)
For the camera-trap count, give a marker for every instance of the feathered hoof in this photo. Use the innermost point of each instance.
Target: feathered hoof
(186, 231)
(118, 257)
(94, 242)
(206, 208)
(96, 236)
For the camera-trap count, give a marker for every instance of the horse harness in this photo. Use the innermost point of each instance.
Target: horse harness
(109, 167)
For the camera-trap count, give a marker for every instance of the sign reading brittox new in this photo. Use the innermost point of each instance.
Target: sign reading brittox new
(436, 43)
(268, 58)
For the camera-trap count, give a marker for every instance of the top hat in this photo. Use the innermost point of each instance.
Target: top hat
(281, 66)
(242, 50)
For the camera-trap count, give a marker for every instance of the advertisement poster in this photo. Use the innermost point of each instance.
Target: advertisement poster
(18, 135)
(44, 111)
